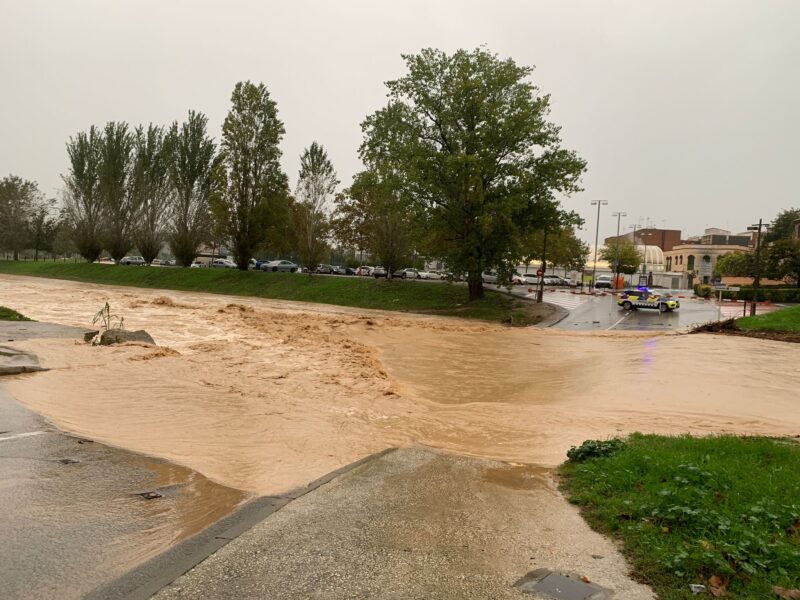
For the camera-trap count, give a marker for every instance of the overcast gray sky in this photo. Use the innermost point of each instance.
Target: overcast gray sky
(686, 111)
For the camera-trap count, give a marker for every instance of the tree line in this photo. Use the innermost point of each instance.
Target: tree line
(462, 164)
(780, 252)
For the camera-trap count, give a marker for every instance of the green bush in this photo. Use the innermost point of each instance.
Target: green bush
(779, 294)
(702, 290)
(595, 449)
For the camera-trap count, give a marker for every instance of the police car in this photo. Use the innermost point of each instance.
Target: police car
(644, 298)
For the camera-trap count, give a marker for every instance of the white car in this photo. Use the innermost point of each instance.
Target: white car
(285, 266)
(431, 274)
(525, 279)
(133, 260)
(222, 263)
(489, 276)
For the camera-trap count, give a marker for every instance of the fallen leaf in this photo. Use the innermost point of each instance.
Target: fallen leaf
(585, 579)
(785, 593)
(706, 545)
(665, 530)
(717, 586)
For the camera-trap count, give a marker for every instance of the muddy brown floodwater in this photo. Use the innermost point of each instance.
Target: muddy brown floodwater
(265, 396)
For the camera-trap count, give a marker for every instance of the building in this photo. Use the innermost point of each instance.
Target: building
(697, 257)
(666, 239)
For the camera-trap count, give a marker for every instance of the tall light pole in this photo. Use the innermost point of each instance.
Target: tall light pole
(599, 203)
(757, 278)
(619, 216)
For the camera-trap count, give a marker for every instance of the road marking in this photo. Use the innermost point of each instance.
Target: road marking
(622, 318)
(21, 435)
(568, 301)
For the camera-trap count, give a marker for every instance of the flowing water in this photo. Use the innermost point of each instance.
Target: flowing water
(265, 396)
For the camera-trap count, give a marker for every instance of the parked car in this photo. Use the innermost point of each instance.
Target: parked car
(286, 266)
(133, 260)
(222, 263)
(378, 272)
(106, 260)
(169, 263)
(603, 281)
(324, 269)
(364, 271)
(256, 264)
(526, 279)
(337, 270)
(489, 276)
(197, 265)
(406, 274)
(349, 271)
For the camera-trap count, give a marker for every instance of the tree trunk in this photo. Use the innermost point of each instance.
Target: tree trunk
(475, 289)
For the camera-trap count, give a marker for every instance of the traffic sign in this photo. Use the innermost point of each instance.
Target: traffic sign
(734, 289)
(539, 272)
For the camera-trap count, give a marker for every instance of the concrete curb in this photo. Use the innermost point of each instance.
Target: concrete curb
(560, 314)
(151, 576)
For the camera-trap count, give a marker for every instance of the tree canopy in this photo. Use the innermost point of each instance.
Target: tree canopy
(625, 256)
(251, 187)
(466, 138)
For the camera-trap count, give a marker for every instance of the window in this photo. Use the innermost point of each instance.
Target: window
(690, 263)
(669, 263)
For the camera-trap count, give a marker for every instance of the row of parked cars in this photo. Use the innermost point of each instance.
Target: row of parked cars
(528, 279)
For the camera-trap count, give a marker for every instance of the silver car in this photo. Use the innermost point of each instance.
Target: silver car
(133, 260)
(285, 266)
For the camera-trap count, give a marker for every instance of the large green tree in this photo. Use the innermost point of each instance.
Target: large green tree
(151, 190)
(316, 185)
(19, 199)
(42, 226)
(120, 208)
(735, 264)
(250, 183)
(782, 226)
(190, 156)
(467, 137)
(783, 260)
(82, 198)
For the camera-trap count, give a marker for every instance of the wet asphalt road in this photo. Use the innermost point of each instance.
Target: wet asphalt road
(603, 313)
(73, 516)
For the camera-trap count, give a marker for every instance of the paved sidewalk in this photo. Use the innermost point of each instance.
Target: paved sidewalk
(412, 524)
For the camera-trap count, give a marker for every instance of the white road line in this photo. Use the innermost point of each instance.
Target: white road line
(622, 318)
(21, 435)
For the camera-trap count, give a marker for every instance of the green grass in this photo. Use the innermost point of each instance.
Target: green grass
(786, 319)
(361, 292)
(7, 314)
(688, 508)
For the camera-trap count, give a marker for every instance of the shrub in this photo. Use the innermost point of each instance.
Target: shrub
(780, 294)
(595, 449)
(702, 290)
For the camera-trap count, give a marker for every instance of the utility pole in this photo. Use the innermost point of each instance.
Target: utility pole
(619, 216)
(757, 278)
(599, 203)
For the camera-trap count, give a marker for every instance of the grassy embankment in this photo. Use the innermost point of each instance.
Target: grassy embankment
(360, 292)
(786, 319)
(719, 511)
(8, 314)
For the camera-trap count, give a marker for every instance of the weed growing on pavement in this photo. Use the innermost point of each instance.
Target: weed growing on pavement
(720, 511)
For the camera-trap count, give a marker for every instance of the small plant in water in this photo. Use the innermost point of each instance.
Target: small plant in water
(107, 320)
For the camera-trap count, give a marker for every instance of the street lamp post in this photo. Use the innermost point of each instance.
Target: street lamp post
(757, 278)
(540, 291)
(619, 216)
(599, 203)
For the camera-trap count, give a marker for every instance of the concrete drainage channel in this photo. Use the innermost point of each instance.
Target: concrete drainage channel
(148, 578)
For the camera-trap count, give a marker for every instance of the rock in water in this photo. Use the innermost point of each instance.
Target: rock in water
(120, 336)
